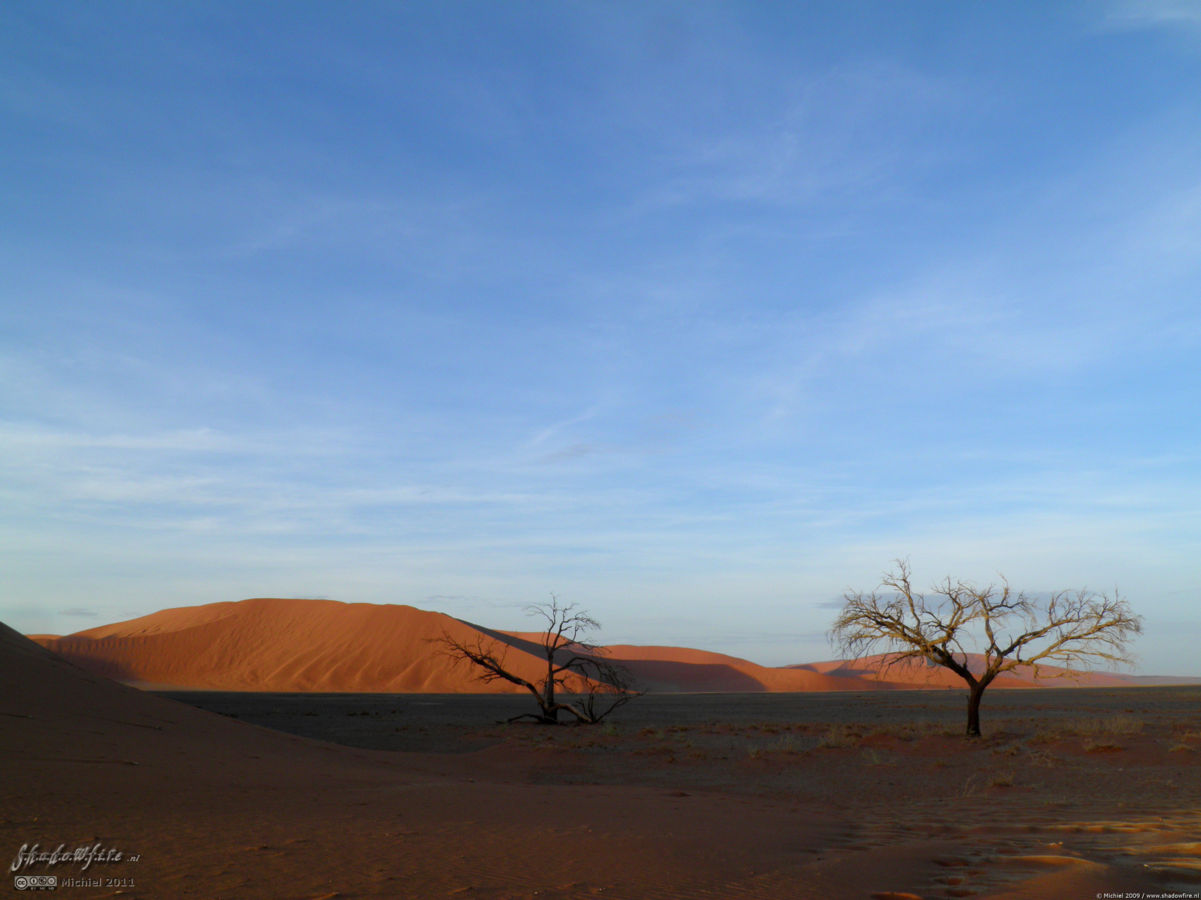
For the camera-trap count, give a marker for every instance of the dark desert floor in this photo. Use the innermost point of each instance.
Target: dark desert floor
(1071, 793)
(1070, 790)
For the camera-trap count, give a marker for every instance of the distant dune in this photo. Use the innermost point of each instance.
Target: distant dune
(917, 674)
(283, 645)
(323, 645)
(683, 670)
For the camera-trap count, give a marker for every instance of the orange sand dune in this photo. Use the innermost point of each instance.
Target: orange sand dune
(681, 669)
(284, 645)
(917, 674)
(324, 645)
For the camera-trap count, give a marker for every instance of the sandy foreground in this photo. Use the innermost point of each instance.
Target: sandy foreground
(857, 804)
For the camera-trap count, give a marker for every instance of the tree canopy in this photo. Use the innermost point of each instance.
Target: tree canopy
(1075, 629)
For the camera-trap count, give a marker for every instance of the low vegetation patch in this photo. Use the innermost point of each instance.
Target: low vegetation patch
(1119, 724)
(1101, 745)
(840, 736)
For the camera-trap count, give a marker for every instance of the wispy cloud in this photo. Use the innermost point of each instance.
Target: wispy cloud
(550, 431)
(1153, 14)
(25, 435)
(845, 129)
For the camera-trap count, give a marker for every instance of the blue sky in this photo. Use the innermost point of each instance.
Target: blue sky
(695, 314)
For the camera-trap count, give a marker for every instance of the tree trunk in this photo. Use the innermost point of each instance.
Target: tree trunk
(548, 691)
(975, 694)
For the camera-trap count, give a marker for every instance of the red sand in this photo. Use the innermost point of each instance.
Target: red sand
(212, 807)
(323, 645)
(216, 808)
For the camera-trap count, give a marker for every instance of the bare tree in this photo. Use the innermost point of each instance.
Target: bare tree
(1072, 629)
(579, 680)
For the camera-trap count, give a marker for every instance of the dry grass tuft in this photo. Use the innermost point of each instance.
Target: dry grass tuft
(1094, 729)
(839, 736)
(787, 743)
(1121, 724)
(873, 757)
(1093, 745)
(1002, 779)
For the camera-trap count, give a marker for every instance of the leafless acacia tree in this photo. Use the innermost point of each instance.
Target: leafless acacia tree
(579, 681)
(1072, 629)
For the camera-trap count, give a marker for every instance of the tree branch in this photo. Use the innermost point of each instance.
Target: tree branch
(1069, 629)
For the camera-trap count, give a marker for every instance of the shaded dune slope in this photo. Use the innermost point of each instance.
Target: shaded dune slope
(56, 713)
(681, 669)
